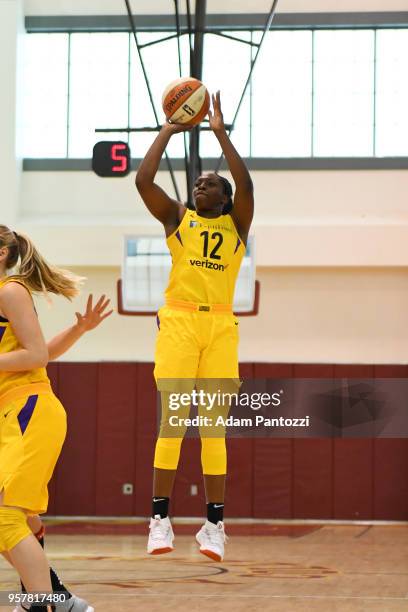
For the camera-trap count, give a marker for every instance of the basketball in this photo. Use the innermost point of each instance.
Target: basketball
(186, 100)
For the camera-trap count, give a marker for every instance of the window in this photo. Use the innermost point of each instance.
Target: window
(282, 96)
(343, 86)
(392, 93)
(45, 95)
(313, 93)
(98, 92)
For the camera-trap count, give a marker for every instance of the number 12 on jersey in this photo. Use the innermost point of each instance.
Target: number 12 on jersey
(215, 236)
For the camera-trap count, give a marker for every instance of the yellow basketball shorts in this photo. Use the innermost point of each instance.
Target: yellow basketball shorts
(32, 432)
(13, 527)
(196, 345)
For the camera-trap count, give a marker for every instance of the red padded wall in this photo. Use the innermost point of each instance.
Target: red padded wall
(353, 463)
(273, 461)
(313, 462)
(115, 437)
(76, 471)
(390, 479)
(240, 453)
(313, 370)
(145, 438)
(353, 478)
(313, 478)
(112, 429)
(353, 371)
(391, 371)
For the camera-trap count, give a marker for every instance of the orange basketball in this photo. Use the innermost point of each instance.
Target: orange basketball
(186, 101)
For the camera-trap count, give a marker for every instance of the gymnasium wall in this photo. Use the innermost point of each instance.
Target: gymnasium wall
(307, 315)
(112, 427)
(302, 218)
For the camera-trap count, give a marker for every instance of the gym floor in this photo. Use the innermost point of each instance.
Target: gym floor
(269, 566)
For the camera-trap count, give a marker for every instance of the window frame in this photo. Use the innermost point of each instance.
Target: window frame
(227, 22)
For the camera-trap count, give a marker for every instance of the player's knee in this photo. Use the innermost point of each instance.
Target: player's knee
(213, 456)
(13, 527)
(167, 453)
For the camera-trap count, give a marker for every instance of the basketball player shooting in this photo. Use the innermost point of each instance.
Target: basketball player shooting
(198, 332)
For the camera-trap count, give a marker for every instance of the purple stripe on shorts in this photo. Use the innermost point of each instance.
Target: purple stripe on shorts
(2, 331)
(158, 321)
(26, 412)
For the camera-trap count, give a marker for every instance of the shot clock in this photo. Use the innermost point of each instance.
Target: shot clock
(111, 158)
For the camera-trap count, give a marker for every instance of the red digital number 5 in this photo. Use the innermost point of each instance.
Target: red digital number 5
(115, 156)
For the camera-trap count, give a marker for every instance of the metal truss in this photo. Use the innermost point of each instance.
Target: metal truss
(196, 33)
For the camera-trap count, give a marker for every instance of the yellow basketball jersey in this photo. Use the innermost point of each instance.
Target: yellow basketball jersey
(207, 255)
(8, 343)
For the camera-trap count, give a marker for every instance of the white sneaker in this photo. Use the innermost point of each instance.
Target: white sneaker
(161, 536)
(73, 604)
(211, 539)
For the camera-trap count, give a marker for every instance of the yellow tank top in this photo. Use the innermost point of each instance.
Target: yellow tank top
(206, 255)
(8, 343)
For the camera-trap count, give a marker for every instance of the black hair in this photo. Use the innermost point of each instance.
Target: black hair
(228, 192)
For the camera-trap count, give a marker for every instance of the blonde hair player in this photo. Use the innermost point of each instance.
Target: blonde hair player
(198, 333)
(32, 420)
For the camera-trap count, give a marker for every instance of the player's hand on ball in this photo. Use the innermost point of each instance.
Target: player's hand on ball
(215, 117)
(176, 128)
(93, 315)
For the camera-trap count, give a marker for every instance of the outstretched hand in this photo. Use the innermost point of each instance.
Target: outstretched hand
(93, 315)
(215, 117)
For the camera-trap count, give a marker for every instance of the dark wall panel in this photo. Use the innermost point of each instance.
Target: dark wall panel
(353, 371)
(353, 478)
(313, 370)
(246, 370)
(240, 484)
(390, 479)
(145, 435)
(313, 478)
(115, 440)
(273, 370)
(273, 461)
(273, 478)
(76, 484)
(391, 371)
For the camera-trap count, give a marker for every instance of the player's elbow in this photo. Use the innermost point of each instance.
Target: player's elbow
(142, 181)
(40, 357)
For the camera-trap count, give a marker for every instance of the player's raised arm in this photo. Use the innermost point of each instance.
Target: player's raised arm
(243, 209)
(165, 209)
